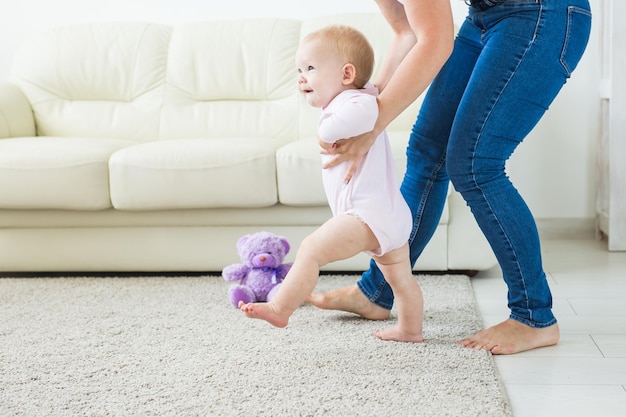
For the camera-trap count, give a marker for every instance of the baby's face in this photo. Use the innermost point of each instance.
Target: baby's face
(320, 73)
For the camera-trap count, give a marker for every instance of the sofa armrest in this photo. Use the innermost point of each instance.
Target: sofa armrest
(16, 115)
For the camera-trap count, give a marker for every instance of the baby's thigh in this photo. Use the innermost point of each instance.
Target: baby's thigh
(341, 237)
(398, 256)
(395, 265)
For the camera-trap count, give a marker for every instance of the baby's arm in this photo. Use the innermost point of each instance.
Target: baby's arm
(354, 116)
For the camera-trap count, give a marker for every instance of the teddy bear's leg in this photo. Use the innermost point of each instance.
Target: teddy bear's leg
(238, 293)
(273, 292)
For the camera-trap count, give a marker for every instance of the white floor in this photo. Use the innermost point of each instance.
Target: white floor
(585, 374)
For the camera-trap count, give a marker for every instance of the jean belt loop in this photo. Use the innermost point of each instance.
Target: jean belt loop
(484, 4)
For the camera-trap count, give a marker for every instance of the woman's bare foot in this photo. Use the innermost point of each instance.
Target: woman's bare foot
(394, 333)
(264, 311)
(511, 336)
(349, 299)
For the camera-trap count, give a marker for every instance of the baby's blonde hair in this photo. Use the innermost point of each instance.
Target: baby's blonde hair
(352, 46)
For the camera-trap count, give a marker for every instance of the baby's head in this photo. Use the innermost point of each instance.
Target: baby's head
(331, 60)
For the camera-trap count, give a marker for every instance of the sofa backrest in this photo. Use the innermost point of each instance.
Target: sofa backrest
(95, 80)
(235, 78)
(147, 81)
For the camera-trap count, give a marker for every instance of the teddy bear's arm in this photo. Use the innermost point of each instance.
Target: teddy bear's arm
(235, 272)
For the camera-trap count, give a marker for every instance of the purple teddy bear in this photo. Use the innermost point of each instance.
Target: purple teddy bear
(262, 269)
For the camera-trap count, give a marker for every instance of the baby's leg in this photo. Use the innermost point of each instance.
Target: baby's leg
(265, 311)
(396, 268)
(341, 237)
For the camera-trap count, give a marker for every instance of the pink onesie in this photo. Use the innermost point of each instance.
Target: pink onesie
(373, 193)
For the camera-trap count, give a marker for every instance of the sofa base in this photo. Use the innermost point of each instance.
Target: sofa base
(201, 240)
(173, 249)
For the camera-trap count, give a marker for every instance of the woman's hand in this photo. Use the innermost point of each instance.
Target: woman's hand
(351, 150)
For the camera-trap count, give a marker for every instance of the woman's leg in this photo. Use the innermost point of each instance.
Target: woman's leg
(530, 49)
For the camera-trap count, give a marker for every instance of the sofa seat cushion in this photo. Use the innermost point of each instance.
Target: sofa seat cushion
(194, 173)
(56, 173)
(299, 175)
(299, 166)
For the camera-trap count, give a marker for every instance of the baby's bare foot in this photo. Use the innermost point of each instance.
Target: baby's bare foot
(265, 312)
(511, 337)
(349, 299)
(394, 333)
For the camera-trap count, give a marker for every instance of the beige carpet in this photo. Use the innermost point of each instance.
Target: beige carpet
(173, 346)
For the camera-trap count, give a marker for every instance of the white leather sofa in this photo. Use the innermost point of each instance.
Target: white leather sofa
(147, 147)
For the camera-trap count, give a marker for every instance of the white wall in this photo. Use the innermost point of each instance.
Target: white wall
(554, 169)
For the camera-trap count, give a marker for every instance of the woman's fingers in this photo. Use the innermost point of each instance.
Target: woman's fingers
(350, 171)
(336, 160)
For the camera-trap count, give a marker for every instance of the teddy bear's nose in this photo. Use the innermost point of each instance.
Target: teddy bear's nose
(262, 258)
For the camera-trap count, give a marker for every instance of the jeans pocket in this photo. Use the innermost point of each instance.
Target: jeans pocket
(576, 37)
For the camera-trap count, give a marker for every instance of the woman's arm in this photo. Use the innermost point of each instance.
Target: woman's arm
(423, 39)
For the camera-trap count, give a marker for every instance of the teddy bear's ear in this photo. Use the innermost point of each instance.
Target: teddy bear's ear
(283, 240)
(242, 242)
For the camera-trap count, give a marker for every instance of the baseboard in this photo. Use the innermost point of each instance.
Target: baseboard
(567, 228)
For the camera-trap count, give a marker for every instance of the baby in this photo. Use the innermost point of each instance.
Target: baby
(369, 213)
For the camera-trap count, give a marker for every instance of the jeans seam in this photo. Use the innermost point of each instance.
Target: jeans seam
(570, 12)
(532, 323)
(425, 195)
(374, 298)
(509, 244)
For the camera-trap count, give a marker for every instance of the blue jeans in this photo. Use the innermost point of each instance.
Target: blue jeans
(509, 63)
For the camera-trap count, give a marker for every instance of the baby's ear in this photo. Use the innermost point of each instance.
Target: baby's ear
(349, 74)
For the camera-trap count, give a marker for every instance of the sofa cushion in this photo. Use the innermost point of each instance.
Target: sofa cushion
(194, 173)
(232, 78)
(56, 173)
(299, 174)
(299, 170)
(95, 80)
